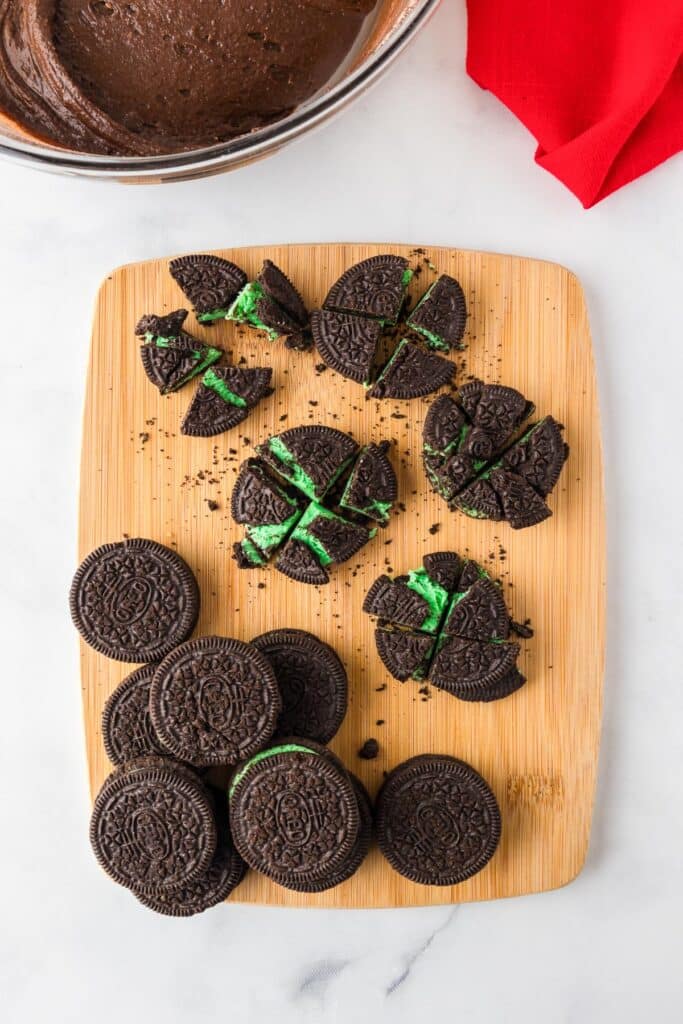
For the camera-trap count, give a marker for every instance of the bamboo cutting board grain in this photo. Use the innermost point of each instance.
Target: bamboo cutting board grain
(139, 477)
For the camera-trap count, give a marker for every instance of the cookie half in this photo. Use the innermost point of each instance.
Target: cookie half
(209, 282)
(224, 398)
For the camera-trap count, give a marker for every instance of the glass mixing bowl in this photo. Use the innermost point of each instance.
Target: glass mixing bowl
(389, 30)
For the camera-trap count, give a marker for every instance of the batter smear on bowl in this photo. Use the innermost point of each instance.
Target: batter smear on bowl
(161, 76)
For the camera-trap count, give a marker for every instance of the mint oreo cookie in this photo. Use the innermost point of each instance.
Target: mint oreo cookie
(438, 822)
(476, 460)
(446, 623)
(372, 288)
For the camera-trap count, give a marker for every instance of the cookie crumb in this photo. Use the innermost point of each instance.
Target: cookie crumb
(369, 750)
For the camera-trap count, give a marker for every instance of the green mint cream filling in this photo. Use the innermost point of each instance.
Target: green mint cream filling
(433, 593)
(314, 511)
(269, 536)
(212, 381)
(284, 748)
(295, 474)
(407, 277)
(244, 309)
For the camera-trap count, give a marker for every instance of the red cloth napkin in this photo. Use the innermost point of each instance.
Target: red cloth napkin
(599, 83)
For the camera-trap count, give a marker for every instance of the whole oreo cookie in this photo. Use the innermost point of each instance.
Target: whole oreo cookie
(294, 814)
(312, 682)
(214, 701)
(438, 822)
(412, 373)
(152, 827)
(347, 344)
(210, 283)
(371, 488)
(127, 730)
(134, 601)
(441, 314)
(357, 855)
(373, 288)
(222, 876)
(224, 398)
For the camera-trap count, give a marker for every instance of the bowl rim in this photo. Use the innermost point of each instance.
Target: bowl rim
(250, 146)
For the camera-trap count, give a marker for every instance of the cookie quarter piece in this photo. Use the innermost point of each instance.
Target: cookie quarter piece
(372, 288)
(346, 343)
(441, 314)
(224, 399)
(209, 282)
(214, 701)
(438, 822)
(134, 601)
(412, 373)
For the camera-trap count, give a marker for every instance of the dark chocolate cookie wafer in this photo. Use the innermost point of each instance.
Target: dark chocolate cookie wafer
(395, 601)
(170, 356)
(127, 730)
(412, 373)
(210, 283)
(508, 685)
(280, 289)
(479, 501)
(346, 343)
(441, 314)
(404, 653)
(479, 613)
(255, 307)
(538, 457)
(294, 814)
(356, 857)
(257, 498)
(443, 425)
(444, 567)
(222, 876)
(374, 288)
(438, 823)
(134, 601)
(214, 701)
(371, 488)
(463, 666)
(169, 326)
(224, 398)
(152, 827)
(495, 413)
(299, 562)
(520, 503)
(311, 680)
(336, 537)
(311, 457)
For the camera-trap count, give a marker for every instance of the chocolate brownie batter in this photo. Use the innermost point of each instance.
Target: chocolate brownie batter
(157, 76)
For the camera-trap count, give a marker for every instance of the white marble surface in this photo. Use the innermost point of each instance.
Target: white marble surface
(607, 948)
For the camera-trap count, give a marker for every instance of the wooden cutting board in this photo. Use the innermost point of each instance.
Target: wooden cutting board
(139, 477)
